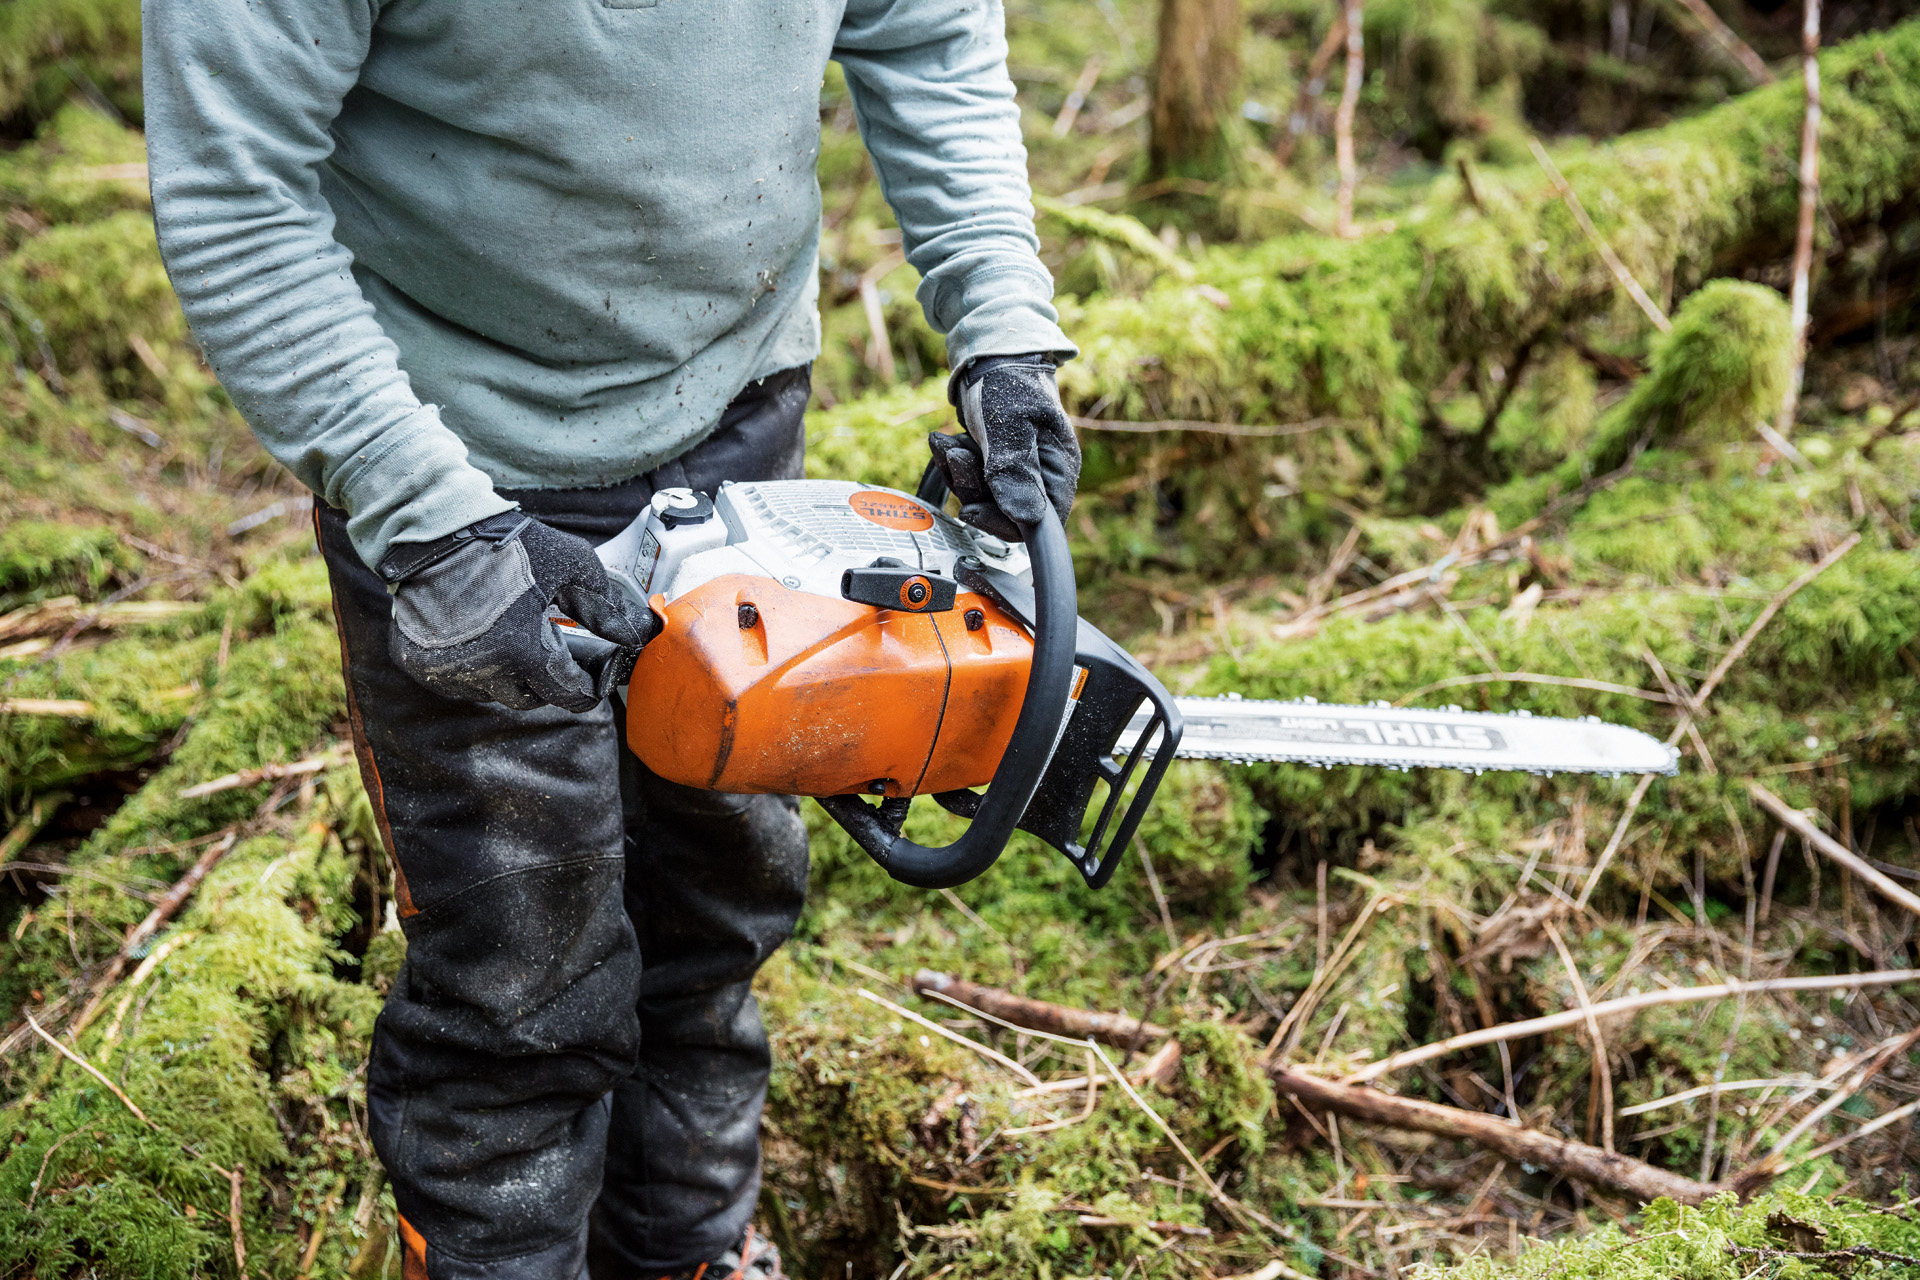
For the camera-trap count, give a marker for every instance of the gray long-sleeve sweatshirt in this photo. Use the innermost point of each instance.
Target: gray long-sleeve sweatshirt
(431, 246)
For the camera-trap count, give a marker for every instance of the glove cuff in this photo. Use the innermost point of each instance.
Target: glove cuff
(408, 558)
(978, 367)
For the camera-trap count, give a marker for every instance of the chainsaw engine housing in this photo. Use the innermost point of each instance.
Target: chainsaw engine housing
(827, 638)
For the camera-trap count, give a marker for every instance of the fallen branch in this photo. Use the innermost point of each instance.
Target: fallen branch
(1628, 1004)
(1699, 706)
(269, 773)
(1802, 826)
(1573, 1160)
(1114, 1029)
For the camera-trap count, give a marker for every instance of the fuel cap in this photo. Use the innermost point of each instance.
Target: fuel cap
(676, 507)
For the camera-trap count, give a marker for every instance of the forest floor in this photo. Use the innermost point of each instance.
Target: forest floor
(1445, 461)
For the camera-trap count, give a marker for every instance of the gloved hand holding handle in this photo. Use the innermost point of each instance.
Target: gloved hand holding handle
(470, 614)
(1019, 454)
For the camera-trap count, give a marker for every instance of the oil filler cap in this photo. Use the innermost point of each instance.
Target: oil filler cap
(676, 507)
(890, 584)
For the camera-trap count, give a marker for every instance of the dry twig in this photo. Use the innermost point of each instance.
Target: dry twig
(1700, 697)
(1115, 1029)
(1803, 827)
(1621, 275)
(1627, 1004)
(1574, 1160)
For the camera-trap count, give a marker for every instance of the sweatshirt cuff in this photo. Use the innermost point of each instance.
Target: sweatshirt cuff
(1005, 311)
(415, 485)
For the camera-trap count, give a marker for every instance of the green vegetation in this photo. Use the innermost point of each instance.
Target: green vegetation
(1468, 398)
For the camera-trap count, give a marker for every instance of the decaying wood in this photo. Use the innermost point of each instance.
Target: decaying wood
(1114, 1029)
(1809, 206)
(1573, 1160)
(1343, 121)
(1803, 827)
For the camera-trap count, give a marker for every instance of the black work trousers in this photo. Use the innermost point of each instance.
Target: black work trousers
(570, 1069)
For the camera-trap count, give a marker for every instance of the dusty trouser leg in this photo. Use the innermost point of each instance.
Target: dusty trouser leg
(714, 885)
(514, 1014)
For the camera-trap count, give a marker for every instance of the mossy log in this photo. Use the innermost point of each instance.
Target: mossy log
(1391, 334)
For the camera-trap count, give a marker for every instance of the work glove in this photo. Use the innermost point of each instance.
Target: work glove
(470, 615)
(1019, 453)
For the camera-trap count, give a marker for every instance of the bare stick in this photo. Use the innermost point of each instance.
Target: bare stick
(1311, 86)
(1809, 205)
(91, 1070)
(1728, 41)
(1628, 1004)
(1077, 97)
(1871, 1126)
(1621, 275)
(47, 1156)
(1803, 827)
(1575, 1160)
(1115, 1029)
(1700, 697)
(269, 773)
(985, 1051)
(1343, 122)
(1859, 1080)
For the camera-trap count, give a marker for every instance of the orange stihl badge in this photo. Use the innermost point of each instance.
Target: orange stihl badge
(891, 511)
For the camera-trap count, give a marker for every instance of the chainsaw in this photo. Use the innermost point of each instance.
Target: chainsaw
(841, 640)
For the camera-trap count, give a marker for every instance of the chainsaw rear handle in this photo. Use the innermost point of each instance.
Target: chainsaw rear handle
(1042, 715)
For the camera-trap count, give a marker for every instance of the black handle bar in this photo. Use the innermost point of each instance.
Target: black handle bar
(1042, 713)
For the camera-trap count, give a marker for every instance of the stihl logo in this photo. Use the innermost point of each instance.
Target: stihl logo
(1375, 733)
(891, 511)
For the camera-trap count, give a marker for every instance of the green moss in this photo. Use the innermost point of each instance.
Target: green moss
(41, 558)
(51, 48)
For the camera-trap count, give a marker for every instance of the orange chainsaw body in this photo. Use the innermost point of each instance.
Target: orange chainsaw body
(805, 694)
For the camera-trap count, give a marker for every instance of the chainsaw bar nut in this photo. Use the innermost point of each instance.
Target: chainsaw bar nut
(749, 616)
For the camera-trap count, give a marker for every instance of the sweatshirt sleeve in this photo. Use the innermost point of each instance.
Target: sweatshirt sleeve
(936, 108)
(239, 99)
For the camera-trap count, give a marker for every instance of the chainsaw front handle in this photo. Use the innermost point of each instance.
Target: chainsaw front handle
(1042, 715)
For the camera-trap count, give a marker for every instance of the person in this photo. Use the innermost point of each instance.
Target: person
(484, 275)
